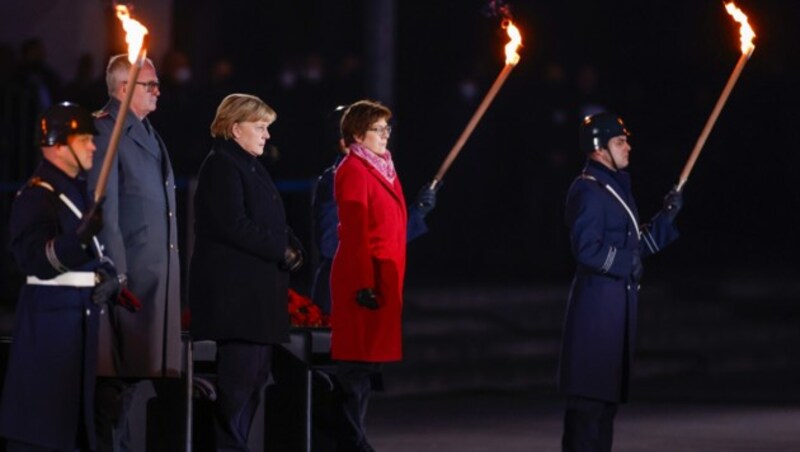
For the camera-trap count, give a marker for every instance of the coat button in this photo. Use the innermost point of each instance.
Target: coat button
(170, 214)
(628, 287)
(88, 312)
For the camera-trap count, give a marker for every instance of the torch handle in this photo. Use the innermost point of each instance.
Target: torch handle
(712, 119)
(111, 150)
(462, 139)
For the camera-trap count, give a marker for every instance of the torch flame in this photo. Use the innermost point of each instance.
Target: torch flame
(134, 32)
(512, 57)
(746, 33)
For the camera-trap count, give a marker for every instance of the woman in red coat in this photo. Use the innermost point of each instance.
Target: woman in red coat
(369, 265)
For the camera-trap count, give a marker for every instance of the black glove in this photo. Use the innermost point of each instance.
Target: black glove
(638, 269)
(292, 260)
(673, 203)
(91, 222)
(426, 198)
(107, 286)
(367, 299)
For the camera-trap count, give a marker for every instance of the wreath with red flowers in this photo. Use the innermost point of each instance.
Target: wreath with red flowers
(303, 312)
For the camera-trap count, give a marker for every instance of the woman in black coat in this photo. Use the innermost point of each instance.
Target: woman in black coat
(238, 280)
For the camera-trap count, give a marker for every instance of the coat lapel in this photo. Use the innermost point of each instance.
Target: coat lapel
(393, 188)
(134, 129)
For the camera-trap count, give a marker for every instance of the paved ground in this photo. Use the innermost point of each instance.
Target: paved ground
(512, 422)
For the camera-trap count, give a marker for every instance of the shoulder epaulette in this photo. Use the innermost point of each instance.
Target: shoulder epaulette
(100, 114)
(36, 181)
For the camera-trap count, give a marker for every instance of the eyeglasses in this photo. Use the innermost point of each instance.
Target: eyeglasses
(387, 130)
(150, 86)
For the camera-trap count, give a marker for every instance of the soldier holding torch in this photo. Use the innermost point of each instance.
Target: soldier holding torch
(48, 396)
(608, 245)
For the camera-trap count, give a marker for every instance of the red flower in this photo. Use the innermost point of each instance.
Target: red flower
(303, 312)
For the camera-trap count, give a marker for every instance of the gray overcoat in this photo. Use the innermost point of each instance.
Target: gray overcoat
(140, 235)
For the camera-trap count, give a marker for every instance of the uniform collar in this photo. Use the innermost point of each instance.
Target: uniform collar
(606, 175)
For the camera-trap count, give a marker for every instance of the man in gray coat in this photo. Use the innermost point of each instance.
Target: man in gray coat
(140, 234)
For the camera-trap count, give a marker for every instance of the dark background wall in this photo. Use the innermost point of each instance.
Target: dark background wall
(661, 65)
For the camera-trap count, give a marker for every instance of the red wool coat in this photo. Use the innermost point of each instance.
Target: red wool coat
(371, 254)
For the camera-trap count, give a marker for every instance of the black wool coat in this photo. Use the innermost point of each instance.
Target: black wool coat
(236, 289)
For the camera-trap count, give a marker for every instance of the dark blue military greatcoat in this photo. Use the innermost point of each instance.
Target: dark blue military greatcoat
(600, 325)
(49, 386)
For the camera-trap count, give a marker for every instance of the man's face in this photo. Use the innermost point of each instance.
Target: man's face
(83, 145)
(620, 150)
(145, 91)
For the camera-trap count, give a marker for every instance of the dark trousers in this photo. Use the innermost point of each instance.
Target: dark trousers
(243, 369)
(355, 381)
(113, 400)
(588, 425)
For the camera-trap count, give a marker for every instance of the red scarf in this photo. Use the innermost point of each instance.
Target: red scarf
(381, 162)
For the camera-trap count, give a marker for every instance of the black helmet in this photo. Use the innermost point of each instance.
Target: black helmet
(333, 121)
(63, 120)
(597, 129)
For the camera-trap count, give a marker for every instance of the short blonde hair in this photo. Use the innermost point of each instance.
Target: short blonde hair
(240, 108)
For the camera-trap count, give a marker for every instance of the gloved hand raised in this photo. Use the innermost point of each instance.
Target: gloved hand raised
(637, 270)
(292, 259)
(367, 299)
(673, 203)
(426, 198)
(91, 222)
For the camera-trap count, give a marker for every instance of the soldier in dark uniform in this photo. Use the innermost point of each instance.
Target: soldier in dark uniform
(48, 396)
(608, 244)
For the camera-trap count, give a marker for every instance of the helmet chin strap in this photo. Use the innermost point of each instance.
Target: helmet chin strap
(81, 169)
(597, 147)
(613, 160)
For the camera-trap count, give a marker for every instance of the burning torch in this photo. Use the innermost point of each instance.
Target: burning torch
(137, 54)
(746, 36)
(512, 58)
